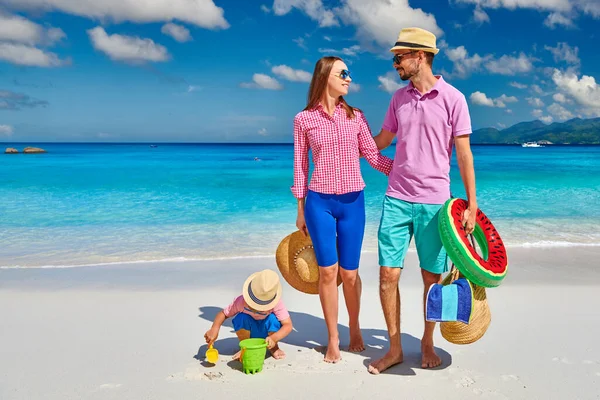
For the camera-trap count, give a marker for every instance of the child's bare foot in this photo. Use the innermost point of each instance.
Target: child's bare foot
(237, 356)
(356, 342)
(429, 358)
(277, 353)
(387, 361)
(333, 352)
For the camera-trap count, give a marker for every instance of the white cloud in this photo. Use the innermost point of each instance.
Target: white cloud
(480, 16)
(265, 9)
(585, 91)
(14, 28)
(21, 54)
(351, 51)
(177, 32)
(555, 19)
(327, 38)
(262, 81)
(313, 8)
(509, 65)
(535, 102)
(537, 89)
(547, 119)
(542, 5)
(263, 132)
(301, 42)
(481, 99)
(354, 88)
(564, 52)
(203, 13)
(294, 75)
(559, 112)
(463, 64)
(537, 113)
(127, 48)
(518, 85)
(192, 88)
(559, 98)
(380, 21)
(6, 130)
(389, 82)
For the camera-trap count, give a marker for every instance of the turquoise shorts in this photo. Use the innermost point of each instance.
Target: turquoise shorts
(400, 220)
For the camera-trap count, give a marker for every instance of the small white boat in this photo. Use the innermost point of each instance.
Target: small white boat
(531, 144)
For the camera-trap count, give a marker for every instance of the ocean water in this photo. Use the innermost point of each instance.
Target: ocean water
(83, 204)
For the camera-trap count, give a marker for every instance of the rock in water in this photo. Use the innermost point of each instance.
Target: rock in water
(11, 150)
(33, 150)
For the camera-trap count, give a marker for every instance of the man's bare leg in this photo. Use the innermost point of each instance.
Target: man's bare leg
(328, 293)
(390, 303)
(352, 286)
(429, 358)
(242, 334)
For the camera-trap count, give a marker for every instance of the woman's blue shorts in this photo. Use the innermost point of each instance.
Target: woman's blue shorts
(336, 224)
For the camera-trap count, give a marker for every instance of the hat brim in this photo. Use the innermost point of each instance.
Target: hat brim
(254, 305)
(284, 256)
(427, 49)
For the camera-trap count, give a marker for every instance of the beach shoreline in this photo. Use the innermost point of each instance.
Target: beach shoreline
(135, 331)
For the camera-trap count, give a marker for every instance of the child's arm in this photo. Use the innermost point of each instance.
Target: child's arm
(213, 333)
(286, 329)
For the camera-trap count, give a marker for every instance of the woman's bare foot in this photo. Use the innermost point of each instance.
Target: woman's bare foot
(387, 361)
(333, 352)
(277, 353)
(429, 358)
(237, 356)
(356, 342)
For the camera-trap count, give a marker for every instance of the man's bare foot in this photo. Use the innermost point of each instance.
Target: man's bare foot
(333, 352)
(387, 361)
(237, 356)
(429, 358)
(356, 342)
(277, 353)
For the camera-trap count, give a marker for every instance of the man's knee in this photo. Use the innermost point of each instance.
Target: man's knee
(429, 278)
(389, 277)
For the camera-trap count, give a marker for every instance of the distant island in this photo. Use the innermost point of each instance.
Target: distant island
(574, 131)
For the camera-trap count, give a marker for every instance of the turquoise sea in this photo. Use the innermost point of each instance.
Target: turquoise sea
(83, 204)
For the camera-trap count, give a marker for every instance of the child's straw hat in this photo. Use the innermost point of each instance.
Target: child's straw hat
(298, 264)
(262, 290)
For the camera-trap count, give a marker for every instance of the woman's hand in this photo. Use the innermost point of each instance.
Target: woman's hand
(301, 224)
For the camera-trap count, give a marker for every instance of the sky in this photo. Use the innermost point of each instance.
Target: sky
(238, 70)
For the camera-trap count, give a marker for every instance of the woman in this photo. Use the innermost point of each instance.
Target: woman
(334, 211)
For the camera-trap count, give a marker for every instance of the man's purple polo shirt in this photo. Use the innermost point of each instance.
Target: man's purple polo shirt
(425, 125)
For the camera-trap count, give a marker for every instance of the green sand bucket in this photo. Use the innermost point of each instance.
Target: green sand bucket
(253, 355)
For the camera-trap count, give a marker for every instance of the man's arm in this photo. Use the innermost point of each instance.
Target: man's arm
(384, 139)
(464, 157)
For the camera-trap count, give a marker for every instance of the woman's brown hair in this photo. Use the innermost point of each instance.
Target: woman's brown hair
(319, 83)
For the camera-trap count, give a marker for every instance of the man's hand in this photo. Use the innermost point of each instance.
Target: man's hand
(270, 342)
(211, 336)
(468, 220)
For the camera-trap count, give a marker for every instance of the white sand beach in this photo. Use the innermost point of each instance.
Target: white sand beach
(136, 332)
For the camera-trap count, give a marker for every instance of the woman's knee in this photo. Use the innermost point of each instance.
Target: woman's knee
(349, 277)
(328, 274)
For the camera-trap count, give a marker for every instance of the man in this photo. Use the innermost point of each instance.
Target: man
(428, 117)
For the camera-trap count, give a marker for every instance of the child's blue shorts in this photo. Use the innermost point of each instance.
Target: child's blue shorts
(259, 329)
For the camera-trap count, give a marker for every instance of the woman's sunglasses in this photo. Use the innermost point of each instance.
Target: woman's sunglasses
(344, 74)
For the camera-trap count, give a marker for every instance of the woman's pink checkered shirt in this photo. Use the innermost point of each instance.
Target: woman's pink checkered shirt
(337, 143)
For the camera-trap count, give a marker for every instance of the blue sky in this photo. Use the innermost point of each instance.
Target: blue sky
(237, 71)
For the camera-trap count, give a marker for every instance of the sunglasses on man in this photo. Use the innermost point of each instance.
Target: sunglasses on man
(397, 59)
(344, 74)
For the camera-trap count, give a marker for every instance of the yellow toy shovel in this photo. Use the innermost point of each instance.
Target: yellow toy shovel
(212, 355)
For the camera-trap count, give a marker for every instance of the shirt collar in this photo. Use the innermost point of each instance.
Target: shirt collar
(320, 107)
(436, 87)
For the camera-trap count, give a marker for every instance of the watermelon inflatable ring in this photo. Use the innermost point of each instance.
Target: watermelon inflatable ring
(487, 270)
